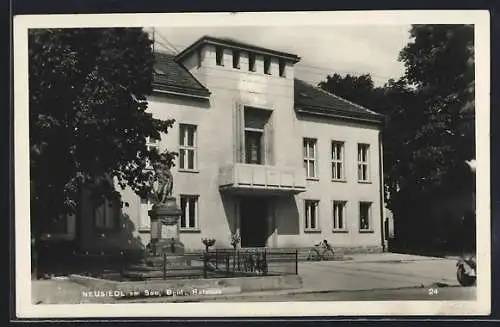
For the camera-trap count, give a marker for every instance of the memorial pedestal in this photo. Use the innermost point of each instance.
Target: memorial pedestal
(167, 251)
(165, 228)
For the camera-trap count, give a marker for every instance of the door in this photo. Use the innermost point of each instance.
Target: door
(253, 222)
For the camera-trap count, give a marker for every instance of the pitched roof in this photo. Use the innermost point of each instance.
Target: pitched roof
(228, 42)
(170, 76)
(316, 101)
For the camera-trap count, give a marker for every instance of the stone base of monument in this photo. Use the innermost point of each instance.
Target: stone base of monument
(167, 257)
(170, 266)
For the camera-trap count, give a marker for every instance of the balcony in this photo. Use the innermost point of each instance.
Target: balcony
(248, 178)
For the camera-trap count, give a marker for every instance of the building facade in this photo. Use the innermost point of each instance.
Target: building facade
(261, 154)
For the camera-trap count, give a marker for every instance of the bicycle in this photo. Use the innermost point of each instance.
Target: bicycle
(320, 249)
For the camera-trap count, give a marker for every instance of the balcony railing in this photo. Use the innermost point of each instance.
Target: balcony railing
(240, 177)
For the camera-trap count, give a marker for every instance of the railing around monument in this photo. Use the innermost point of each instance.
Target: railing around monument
(216, 263)
(250, 262)
(220, 263)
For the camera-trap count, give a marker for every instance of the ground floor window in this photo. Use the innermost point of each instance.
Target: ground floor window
(189, 207)
(144, 220)
(106, 214)
(339, 216)
(311, 215)
(365, 216)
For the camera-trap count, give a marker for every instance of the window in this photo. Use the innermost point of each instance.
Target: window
(151, 145)
(189, 207)
(144, 220)
(106, 213)
(219, 56)
(311, 215)
(253, 147)
(337, 160)
(282, 68)
(236, 59)
(365, 216)
(256, 121)
(310, 158)
(187, 148)
(363, 157)
(267, 65)
(339, 215)
(198, 58)
(251, 62)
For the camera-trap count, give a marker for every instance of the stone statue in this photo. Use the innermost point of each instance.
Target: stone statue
(163, 182)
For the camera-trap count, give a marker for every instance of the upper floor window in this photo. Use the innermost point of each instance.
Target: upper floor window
(219, 56)
(365, 216)
(251, 62)
(189, 207)
(339, 215)
(267, 65)
(338, 160)
(256, 124)
(311, 215)
(282, 67)
(309, 146)
(187, 147)
(152, 144)
(363, 162)
(198, 58)
(236, 59)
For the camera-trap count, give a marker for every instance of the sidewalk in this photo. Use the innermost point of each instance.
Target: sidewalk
(381, 271)
(387, 257)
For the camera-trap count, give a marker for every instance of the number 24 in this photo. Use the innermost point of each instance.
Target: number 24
(433, 291)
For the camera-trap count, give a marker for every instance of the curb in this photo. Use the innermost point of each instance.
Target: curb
(246, 295)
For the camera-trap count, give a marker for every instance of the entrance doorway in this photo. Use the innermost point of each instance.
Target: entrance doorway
(253, 221)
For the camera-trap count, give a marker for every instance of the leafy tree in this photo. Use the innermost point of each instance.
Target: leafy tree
(429, 129)
(88, 120)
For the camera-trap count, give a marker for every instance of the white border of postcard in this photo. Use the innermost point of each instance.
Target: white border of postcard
(24, 307)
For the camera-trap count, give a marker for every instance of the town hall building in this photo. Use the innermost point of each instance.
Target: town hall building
(262, 154)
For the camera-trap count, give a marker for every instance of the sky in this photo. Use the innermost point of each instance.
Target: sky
(342, 49)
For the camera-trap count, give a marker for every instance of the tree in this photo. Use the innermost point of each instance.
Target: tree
(88, 120)
(429, 130)
(439, 62)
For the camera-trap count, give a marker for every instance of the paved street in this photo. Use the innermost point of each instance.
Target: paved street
(406, 294)
(365, 277)
(366, 274)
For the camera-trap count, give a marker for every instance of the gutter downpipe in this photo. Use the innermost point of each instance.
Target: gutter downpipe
(382, 197)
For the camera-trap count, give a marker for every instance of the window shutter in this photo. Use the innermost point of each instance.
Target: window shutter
(238, 134)
(269, 132)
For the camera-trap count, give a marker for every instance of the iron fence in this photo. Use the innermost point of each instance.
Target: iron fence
(251, 262)
(142, 265)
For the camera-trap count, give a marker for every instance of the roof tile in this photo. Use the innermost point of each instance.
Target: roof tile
(169, 75)
(316, 100)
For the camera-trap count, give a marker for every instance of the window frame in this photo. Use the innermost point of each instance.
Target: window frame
(113, 217)
(219, 56)
(198, 58)
(186, 128)
(343, 205)
(307, 158)
(361, 163)
(307, 219)
(267, 65)
(237, 57)
(143, 226)
(335, 161)
(185, 217)
(369, 228)
(252, 58)
(282, 67)
(151, 143)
